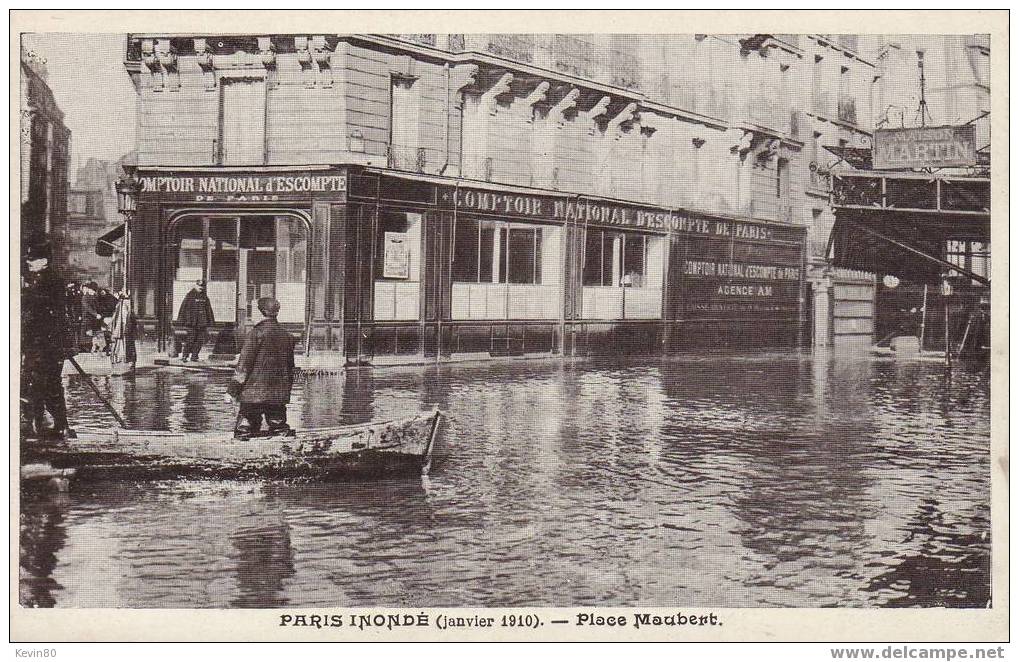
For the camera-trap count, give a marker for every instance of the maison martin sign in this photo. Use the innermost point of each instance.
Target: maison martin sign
(925, 147)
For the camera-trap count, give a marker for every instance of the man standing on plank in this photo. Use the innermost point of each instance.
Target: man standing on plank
(264, 375)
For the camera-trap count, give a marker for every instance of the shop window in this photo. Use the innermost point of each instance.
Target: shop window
(398, 266)
(291, 268)
(191, 259)
(243, 258)
(506, 270)
(623, 275)
(466, 247)
(492, 239)
(257, 268)
(223, 265)
(524, 244)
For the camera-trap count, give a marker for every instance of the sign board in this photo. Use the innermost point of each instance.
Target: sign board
(242, 187)
(396, 257)
(925, 147)
(585, 211)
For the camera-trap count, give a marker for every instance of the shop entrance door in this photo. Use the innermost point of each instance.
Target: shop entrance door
(256, 275)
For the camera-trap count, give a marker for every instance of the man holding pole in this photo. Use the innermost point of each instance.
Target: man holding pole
(45, 343)
(264, 375)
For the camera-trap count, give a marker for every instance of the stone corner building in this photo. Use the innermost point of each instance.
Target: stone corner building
(442, 196)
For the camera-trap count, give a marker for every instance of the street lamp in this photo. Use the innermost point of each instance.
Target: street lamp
(127, 192)
(128, 189)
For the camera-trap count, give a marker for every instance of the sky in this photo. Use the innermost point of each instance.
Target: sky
(92, 88)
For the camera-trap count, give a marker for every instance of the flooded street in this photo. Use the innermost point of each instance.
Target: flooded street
(764, 481)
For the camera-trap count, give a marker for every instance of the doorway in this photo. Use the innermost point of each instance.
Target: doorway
(242, 257)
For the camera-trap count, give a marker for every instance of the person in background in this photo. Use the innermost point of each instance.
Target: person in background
(74, 313)
(195, 315)
(122, 331)
(92, 318)
(106, 305)
(264, 375)
(45, 342)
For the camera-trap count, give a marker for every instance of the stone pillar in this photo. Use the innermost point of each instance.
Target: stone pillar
(821, 288)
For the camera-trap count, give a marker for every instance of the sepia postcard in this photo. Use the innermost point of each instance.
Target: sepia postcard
(525, 326)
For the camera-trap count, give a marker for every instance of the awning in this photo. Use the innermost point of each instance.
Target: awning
(903, 245)
(858, 157)
(106, 245)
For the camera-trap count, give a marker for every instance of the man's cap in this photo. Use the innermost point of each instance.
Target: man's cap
(200, 282)
(269, 306)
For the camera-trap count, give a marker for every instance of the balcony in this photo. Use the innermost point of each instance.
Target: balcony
(413, 159)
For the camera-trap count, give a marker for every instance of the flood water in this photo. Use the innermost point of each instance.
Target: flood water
(761, 481)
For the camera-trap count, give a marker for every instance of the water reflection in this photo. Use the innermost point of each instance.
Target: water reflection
(264, 559)
(759, 481)
(42, 537)
(941, 566)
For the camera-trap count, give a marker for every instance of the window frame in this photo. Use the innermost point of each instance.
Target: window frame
(220, 148)
(503, 229)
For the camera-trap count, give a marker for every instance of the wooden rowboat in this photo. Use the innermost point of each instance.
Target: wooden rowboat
(372, 450)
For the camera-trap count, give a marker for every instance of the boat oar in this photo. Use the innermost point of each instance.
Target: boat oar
(95, 389)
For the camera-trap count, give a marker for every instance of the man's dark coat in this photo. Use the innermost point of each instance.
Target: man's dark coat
(195, 311)
(266, 364)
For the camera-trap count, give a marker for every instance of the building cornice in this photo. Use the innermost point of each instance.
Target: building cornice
(438, 55)
(477, 57)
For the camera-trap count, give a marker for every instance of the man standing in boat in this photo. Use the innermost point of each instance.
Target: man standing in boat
(264, 375)
(195, 315)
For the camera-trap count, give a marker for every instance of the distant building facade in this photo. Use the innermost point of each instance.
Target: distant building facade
(44, 151)
(475, 194)
(92, 218)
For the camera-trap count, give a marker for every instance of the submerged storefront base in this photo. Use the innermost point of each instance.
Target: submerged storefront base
(381, 266)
